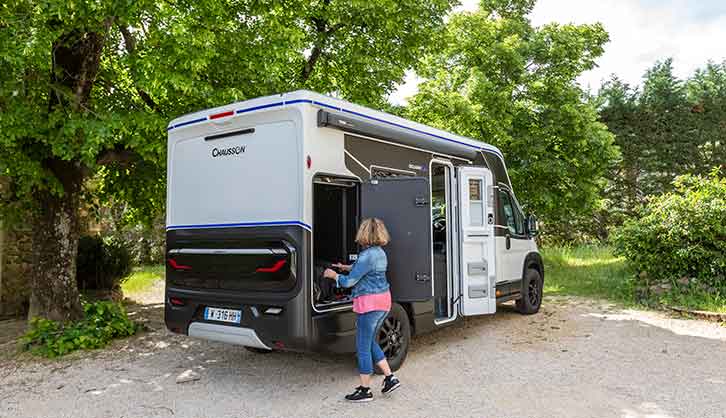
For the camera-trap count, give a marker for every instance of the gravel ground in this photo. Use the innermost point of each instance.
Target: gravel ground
(576, 358)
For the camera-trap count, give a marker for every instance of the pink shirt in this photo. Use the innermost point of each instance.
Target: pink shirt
(374, 302)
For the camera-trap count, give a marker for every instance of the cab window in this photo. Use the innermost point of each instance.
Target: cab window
(513, 218)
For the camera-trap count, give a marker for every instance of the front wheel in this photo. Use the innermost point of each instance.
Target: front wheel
(532, 288)
(394, 336)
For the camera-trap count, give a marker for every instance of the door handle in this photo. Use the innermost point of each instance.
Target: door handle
(509, 241)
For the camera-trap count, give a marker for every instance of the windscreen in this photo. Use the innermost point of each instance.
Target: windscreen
(248, 176)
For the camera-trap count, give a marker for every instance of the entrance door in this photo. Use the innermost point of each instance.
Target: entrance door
(402, 203)
(476, 255)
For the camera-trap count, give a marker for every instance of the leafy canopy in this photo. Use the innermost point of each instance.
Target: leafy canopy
(501, 80)
(163, 59)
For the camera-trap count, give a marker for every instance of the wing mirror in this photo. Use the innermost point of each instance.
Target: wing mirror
(532, 226)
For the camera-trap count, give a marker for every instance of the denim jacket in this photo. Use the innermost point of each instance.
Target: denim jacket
(367, 276)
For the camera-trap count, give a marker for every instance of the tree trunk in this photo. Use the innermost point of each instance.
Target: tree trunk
(54, 292)
(76, 57)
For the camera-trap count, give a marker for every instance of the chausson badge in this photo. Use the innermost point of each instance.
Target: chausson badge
(231, 151)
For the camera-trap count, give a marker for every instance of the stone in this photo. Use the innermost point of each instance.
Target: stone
(684, 281)
(188, 375)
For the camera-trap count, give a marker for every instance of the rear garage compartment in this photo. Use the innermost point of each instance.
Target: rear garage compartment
(335, 222)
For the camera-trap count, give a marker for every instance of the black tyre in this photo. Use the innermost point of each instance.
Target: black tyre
(532, 289)
(394, 336)
(258, 350)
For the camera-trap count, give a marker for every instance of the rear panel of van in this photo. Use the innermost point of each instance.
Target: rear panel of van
(236, 238)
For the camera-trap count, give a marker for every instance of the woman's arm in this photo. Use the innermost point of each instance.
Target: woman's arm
(341, 266)
(359, 269)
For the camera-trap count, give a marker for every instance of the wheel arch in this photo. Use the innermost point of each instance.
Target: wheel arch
(533, 260)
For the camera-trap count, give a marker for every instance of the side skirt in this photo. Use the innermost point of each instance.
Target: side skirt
(509, 290)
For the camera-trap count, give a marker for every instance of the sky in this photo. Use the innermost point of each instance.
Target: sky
(641, 32)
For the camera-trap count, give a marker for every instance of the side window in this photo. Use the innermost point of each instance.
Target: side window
(512, 215)
(476, 203)
(508, 209)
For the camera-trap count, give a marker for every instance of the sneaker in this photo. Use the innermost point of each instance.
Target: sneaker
(390, 383)
(361, 394)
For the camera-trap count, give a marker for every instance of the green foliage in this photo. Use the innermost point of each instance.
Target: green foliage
(101, 263)
(589, 271)
(678, 239)
(161, 60)
(102, 322)
(667, 127)
(497, 78)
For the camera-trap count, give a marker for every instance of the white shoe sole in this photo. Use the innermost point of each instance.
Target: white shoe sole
(359, 400)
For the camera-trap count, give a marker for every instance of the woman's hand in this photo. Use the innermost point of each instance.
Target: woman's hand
(341, 266)
(330, 274)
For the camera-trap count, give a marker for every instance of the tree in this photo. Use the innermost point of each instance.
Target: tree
(666, 128)
(88, 87)
(501, 80)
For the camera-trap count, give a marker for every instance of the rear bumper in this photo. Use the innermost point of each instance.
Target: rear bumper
(226, 334)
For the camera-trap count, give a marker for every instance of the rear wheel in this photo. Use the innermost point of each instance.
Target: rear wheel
(532, 288)
(394, 336)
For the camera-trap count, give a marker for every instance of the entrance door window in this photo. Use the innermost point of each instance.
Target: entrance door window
(476, 203)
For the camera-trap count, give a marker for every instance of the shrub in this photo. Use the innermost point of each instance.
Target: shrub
(679, 238)
(102, 322)
(101, 263)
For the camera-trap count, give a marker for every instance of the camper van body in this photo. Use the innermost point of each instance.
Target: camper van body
(264, 193)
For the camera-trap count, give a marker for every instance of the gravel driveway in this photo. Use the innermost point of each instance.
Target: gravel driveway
(577, 358)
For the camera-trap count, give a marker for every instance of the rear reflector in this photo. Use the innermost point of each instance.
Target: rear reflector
(278, 265)
(176, 302)
(221, 115)
(176, 266)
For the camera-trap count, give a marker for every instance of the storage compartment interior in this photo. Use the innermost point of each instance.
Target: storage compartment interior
(335, 223)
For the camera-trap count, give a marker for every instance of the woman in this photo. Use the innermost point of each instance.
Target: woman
(371, 303)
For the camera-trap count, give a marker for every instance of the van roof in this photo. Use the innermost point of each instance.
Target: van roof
(306, 97)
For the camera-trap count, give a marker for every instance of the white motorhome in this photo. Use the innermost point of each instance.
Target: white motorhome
(264, 194)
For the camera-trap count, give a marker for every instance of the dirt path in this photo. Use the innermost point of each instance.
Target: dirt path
(576, 358)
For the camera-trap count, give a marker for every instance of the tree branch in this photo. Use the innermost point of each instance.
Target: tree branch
(130, 44)
(116, 155)
(323, 32)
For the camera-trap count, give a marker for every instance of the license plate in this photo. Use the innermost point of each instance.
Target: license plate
(223, 315)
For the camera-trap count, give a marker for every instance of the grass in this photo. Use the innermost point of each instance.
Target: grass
(699, 301)
(595, 272)
(142, 279)
(591, 271)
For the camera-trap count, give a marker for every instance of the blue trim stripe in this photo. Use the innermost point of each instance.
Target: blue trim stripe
(241, 224)
(322, 104)
(189, 122)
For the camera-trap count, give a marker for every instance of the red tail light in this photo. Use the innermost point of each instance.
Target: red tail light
(177, 266)
(176, 302)
(276, 267)
(221, 115)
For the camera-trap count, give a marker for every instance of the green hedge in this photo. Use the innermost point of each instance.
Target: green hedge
(678, 241)
(102, 322)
